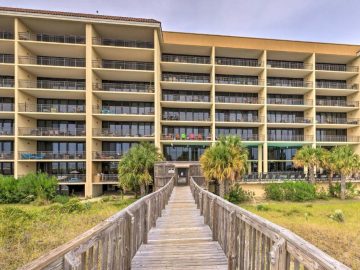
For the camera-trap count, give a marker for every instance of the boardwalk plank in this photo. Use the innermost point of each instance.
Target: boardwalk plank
(180, 239)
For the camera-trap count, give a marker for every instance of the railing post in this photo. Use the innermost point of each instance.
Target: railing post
(146, 222)
(278, 255)
(214, 219)
(131, 236)
(231, 242)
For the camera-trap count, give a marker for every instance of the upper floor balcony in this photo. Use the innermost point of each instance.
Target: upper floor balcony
(186, 77)
(106, 155)
(70, 178)
(290, 138)
(290, 101)
(336, 67)
(239, 99)
(123, 112)
(6, 107)
(51, 108)
(186, 137)
(288, 119)
(6, 35)
(53, 132)
(42, 37)
(124, 133)
(235, 117)
(337, 138)
(192, 59)
(336, 120)
(185, 98)
(122, 43)
(6, 131)
(331, 84)
(5, 155)
(237, 79)
(244, 62)
(7, 82)
(120, 64)
(51, 155)
(184, 116)
(134, 87)
(283, 82)
(287, 64)
(337, 103)
(7, 58)
(53, 84)
(52, 61)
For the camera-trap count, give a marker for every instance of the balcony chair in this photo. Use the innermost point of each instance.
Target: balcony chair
(183, 136)
(200, 137)
(177, 137)
(191, 136)
(26, 155)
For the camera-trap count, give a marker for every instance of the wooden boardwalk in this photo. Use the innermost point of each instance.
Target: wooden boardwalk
(180, 239)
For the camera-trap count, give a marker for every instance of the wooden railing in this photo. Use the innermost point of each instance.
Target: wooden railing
(113, 243)
(252, 242)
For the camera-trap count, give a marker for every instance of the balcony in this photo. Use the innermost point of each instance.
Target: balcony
(336, 85)
(239, 118)
(336, 67)
(186, 77)
(287, 64)
(123, 43)
(107, 132)
(243, 62)
(7, 82)
(54, 85)
(50, 155)
(106, 178)
(7, 58)
(337, 121)
(193, 59)
(239, 99)
(54, 132)
(106, 155)
(337, 138)
(247, 137)
(289, 120)
(51, 108)
(289, 83)
(228, 79)
(72, 39)
(186, 98)
(290, 138)
(135, 87)
(6, 155)
(52, 61)
(6, 35)
(75, 178)
(6, 131)
(186, 137)
(120, 64)
(124, 113)
(337, 103)
(6, 107)
(290, 101)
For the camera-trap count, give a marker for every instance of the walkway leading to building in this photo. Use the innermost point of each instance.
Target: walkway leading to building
(180, 239)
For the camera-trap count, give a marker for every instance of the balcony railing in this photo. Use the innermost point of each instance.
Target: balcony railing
(191, 78)
(6, 107)
(249, 137)
(289, 83)
(48, 155)
(238, 62)
(108, 177)
(346, 121)
(337, 138)
(6, 155)
(339, 103)
(184, 136)
(70, 178)
(107, 132)
(287, 65)
(61, 132)
(178, 117)
(7, 58)
(122, 43)
(186, 59)
(120, 64)
(103, 155)
(51, 108)
(6, 35)
(48, 84)
(291, 138)
(73, 39)
(290, 101)
(6, 131)
(7, 82)
(52, 61)
(187, 98)
(125, 87)
(286, 119)
(121, 110)
(336, 67)
(242, 100)
(237, 80)
(240, 118)
(337, 85)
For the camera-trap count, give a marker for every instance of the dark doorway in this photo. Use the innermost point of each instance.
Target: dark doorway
(182, 176)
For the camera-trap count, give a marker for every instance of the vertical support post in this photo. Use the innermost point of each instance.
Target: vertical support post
(214, 220)
(146, 222)
(231, 242)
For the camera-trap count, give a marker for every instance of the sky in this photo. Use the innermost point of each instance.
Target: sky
(335, 21)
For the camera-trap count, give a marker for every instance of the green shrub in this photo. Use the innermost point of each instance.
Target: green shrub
(262, 207)
(338, 216)
(74, 206)
(322, 194)
(238, 195)
(62, 199)
(334, 190)
(27, 188)
(291, 191)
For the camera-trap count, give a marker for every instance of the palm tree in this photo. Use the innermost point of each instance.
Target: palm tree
(346, 163)
(135, 166)
(309, 157)
(327, 162)
(224, 161)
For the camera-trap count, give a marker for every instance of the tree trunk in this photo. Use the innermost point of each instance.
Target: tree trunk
(311, 175)
(343, 187)
(330, 178)
(222, 189)
(142, 190)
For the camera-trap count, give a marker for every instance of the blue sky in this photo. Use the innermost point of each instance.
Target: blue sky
(310, 20)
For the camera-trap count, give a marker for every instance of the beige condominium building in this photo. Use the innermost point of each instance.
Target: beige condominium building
(78, 90)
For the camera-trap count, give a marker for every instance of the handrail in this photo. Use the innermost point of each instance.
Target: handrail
(52, 61)
(111, 243)
(44, 37)
(248, 239)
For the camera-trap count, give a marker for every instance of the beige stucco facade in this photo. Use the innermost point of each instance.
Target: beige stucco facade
(316, 64)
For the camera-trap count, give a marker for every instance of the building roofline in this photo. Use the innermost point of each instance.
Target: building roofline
(260, 38)
(78, 15)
